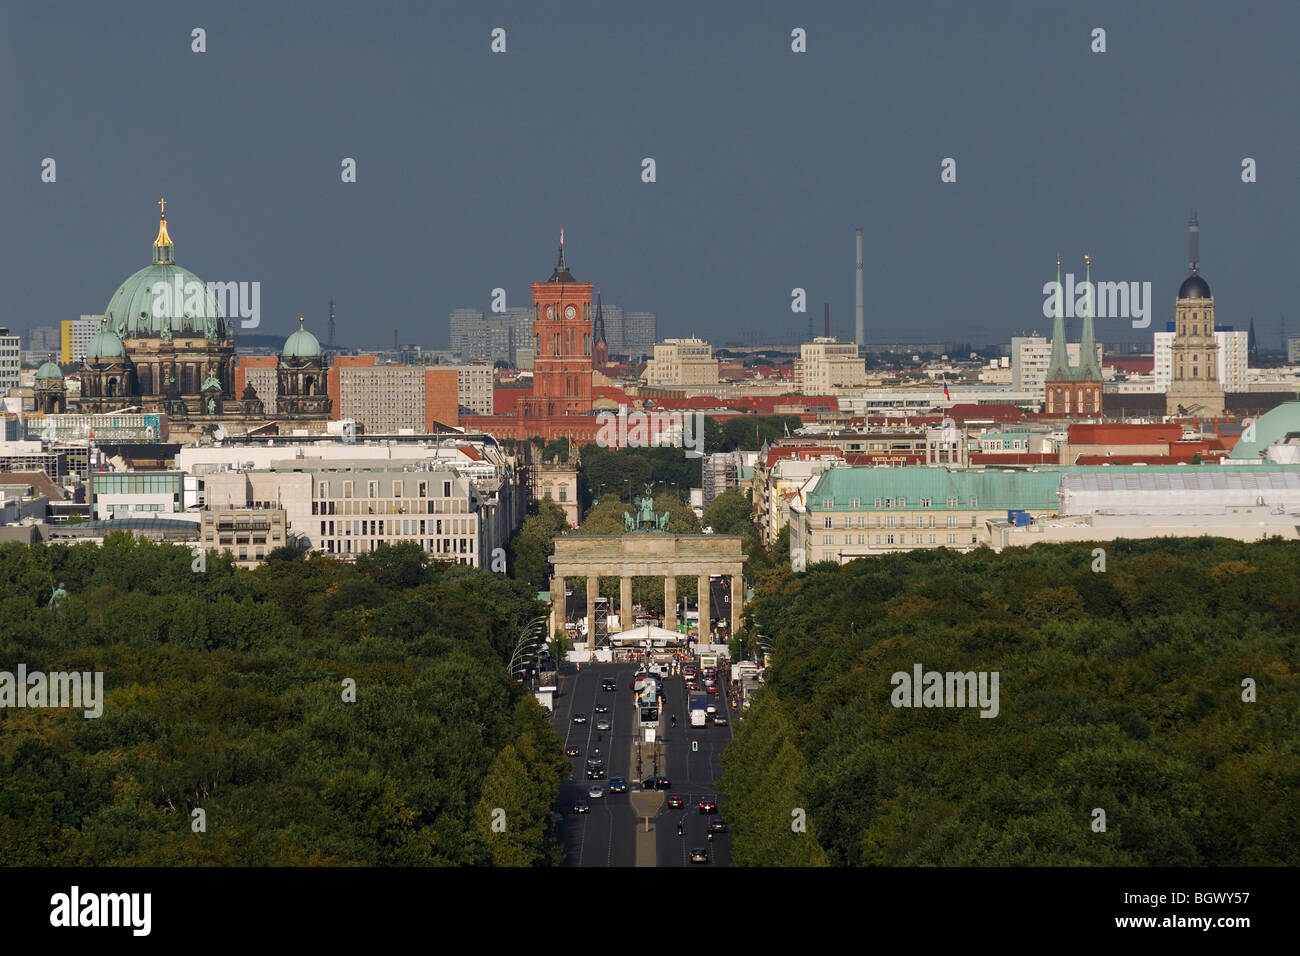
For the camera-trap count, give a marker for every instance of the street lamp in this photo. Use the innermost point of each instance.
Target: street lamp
(531, 637)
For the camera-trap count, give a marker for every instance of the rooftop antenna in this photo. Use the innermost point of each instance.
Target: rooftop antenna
(331, 327)
(1193, 244)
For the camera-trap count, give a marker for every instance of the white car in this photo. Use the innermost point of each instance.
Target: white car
(595, 793)
(602, 724)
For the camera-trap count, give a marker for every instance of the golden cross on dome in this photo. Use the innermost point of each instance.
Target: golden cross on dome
(162, 206)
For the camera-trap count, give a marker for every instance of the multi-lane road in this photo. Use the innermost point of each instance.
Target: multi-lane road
(607, 836)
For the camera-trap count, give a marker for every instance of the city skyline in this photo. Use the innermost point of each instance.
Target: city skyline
(760, 183)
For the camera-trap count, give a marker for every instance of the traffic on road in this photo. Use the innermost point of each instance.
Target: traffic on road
(615, 764)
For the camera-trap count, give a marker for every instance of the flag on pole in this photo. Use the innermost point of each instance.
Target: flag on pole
(946, 396)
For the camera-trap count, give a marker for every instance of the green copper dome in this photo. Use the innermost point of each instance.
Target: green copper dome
(105, 346)
(163, 296)
(301, 345)
(49, 372)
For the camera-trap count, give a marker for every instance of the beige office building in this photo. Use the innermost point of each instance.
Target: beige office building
(827, 366)
(250, 534)
(682, 362)
(347, 508)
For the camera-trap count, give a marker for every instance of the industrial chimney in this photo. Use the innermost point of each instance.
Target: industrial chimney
(861, 333)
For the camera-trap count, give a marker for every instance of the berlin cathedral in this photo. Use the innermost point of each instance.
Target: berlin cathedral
(164, 346)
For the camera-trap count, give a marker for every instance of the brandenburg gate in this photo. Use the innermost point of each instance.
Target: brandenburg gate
(647, 550)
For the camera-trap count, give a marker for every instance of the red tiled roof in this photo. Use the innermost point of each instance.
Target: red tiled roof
(998, 413)
(799, 453)
(1121, 434)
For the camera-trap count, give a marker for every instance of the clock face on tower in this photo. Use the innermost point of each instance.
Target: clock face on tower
(550, 311)
(570, 312)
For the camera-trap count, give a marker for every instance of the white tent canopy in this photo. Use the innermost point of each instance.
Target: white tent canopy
(657, 636)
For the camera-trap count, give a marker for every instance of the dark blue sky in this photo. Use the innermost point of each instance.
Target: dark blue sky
(469, 162)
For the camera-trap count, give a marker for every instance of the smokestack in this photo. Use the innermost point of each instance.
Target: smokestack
(861, 333)
(826, 319)
(1193, 244)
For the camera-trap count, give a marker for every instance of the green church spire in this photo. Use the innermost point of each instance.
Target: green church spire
(1089, 370)
(1058, 367)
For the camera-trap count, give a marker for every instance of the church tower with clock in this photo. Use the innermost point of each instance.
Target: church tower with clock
(562, 343)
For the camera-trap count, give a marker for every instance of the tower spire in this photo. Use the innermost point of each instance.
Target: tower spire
(561, 273)
(1089, 370)
(1193, 245)
(162, 246)
(1058, 367)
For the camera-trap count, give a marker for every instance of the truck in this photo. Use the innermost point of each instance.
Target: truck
(698, 707)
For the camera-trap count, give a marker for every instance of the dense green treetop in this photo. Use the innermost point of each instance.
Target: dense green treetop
(225, 692)
(1120, 691)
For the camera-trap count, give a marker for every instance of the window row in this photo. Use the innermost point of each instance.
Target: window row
(901, 539)
(404, 526)
(855, 503)
(890, 521)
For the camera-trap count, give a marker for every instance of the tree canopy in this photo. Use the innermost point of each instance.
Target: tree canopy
(227, 692)
(1160, 692)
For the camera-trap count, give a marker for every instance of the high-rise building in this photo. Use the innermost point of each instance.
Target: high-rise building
(1195, 386)
(640, 332)
(39, 342)
(463, 322)
(1233, 358)
(75, 336)
(383, 398)
(1030, 356)
(10, 360)
(474, 388)
(613, 328)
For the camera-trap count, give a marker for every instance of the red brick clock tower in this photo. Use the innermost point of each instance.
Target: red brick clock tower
(562, 345)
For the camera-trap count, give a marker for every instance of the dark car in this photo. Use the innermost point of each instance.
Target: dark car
(601, 709)
(692, 684)
(675, 802)
(596, 771)
(608, 684)
(602, 724)
(656, 783)
(699, 855)
(707, 806)
(617, 785)
(719, 720)
(579, 718)
(571, 751)
(717, 826)
(581, 806)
